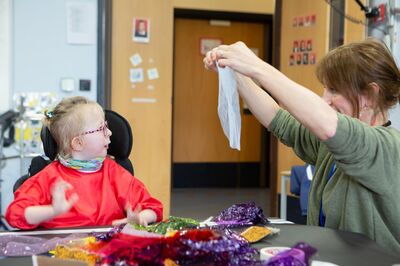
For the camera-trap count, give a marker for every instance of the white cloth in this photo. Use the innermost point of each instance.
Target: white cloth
(228, 106)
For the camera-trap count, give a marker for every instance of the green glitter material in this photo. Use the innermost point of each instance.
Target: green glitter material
(173, 223)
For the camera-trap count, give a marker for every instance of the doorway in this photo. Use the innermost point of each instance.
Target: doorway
(201, 156)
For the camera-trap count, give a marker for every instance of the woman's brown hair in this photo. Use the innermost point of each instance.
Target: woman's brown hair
(351, 69)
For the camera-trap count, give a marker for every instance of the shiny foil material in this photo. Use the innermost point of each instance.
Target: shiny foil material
(242, 214)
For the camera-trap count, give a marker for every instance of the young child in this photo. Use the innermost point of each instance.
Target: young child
(83, 187)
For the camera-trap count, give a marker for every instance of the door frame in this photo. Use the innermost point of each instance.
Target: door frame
(276, 58)
(268, 148)
(104, 33)
(272, 55)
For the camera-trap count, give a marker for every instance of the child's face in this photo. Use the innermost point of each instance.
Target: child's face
(96, 135)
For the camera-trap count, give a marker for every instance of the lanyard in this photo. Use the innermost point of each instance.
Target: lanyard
(321, 212)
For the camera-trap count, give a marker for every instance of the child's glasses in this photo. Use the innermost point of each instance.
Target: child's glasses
(103, 128)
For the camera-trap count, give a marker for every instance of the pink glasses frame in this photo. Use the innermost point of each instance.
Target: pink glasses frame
(103, 128)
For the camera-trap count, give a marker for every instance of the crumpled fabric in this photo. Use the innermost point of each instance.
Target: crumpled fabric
(186, 247)
(298, 255)
(19, 245)
(240, 215)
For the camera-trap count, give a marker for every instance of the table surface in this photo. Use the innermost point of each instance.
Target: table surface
(339, 247)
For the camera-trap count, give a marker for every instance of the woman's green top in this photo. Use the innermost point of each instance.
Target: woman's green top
(363, 194)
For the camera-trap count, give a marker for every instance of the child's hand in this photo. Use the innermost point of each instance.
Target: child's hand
(59, 201)
(138, 216)
(135, 216)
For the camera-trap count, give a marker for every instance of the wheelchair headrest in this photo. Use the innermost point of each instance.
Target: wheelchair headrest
(49, 144)
(121, 138)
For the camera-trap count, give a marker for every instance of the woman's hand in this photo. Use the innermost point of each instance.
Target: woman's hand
(210, 60)
(59, 201)
(236, 56)
(306, 106)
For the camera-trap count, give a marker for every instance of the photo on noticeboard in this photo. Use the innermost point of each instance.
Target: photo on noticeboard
(141, 30)
(295, 48)
(305, 59)
(292, 61)
(304, 21)
(299, 58)
(309, 45)
(294, 22)
(302, 45)
(312, 58)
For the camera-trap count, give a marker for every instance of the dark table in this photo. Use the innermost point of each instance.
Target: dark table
(339, 247)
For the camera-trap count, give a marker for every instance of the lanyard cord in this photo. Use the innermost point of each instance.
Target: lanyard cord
(321, 212)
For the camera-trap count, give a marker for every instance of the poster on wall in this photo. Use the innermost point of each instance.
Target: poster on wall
(141, 30)
(81, 23)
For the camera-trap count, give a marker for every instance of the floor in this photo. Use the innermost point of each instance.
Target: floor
(201, 203)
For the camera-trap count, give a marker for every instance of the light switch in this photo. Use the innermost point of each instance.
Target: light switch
(67, 84)
(84, 84)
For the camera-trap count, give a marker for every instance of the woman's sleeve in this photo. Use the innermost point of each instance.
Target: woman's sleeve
(368, 154)
(29, 194)
(133, 191)
(291, 133)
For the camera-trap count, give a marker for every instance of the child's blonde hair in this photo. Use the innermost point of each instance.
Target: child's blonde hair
(66, 121)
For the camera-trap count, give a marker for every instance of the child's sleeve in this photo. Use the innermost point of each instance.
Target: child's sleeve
(140, 196)
(134, 192)
(29, 194)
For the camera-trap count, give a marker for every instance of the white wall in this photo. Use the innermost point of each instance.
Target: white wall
(34, 55)
(41, 54)
(395, 113)
(396, 30)
(395, 47)
(5, 51)
(393, 41)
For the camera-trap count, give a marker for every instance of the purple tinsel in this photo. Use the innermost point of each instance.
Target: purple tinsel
(218, 250)
(107, 236)
(289, 258)
(242, 214)
(19, 245)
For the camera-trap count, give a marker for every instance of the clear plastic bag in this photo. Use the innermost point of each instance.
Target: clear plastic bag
(229, 107)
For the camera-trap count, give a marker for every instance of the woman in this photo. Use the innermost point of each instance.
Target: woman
(356, 186)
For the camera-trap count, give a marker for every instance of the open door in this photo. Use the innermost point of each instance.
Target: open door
(201, 154)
